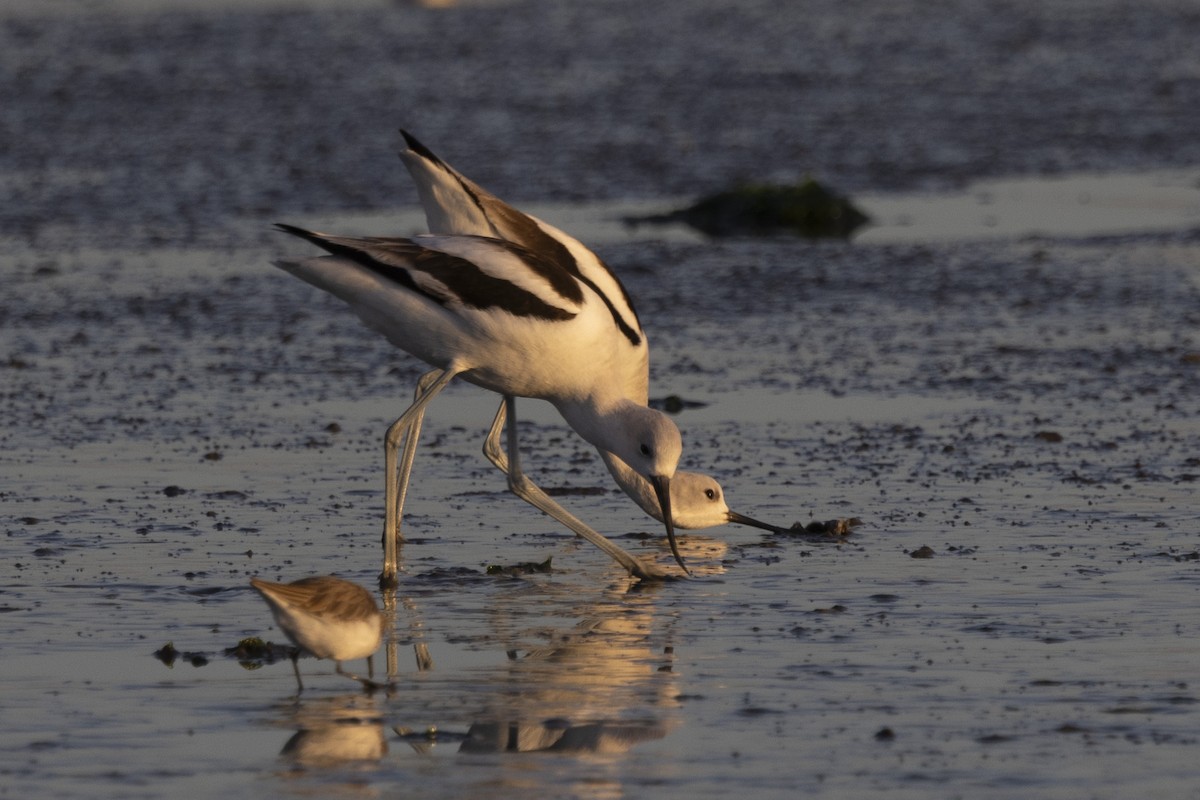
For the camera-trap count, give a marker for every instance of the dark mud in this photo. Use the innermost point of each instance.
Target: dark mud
(1019, 410)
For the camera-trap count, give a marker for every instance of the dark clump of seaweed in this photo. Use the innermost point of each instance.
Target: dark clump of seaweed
(524, 568)
(253, 652)
(168, 655)
(754, 209)
(826, 529)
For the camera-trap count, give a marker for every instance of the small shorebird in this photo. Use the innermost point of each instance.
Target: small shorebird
(454, 204)
(326, 617)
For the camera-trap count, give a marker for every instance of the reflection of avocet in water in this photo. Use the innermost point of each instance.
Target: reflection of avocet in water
(560, 735)
(603, 685)
(587, 671)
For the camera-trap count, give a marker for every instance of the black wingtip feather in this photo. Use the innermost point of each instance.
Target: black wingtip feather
(301, 232)
(321, 240)
(418, 148)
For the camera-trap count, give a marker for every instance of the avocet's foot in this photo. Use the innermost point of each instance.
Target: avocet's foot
(388, 581)
(647, 569)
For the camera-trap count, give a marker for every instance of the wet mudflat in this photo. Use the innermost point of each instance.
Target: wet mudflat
(1026, 411)
(1012, 415)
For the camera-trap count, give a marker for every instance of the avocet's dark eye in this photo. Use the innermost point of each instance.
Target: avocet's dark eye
(710, 494)
(645, 449)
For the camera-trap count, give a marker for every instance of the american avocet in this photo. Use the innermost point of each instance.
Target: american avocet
(454, 204)
(325, 617)
(513, 321)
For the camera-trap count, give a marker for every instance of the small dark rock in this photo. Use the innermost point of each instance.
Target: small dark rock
(227, 494)
(834, 609)
(674, 404)
(167, 653)
(830, 527)
(254, 649)
(575, 491)
(525, 568)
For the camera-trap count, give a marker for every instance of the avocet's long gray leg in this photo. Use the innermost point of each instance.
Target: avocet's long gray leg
(411, 438)
(396, 475)
(528, 491)
(391, 605)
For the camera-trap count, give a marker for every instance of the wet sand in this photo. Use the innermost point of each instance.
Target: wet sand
(1014, 400)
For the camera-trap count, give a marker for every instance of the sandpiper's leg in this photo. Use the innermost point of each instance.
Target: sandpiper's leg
(296, 668)
(528, 491)
(368, 683)
(396, 475)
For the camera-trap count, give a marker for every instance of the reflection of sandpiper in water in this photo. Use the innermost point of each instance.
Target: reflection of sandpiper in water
(333, 731)
(336, 744)
(325, 617)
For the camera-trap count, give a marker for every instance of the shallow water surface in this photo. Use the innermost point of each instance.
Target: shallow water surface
(1042, 447)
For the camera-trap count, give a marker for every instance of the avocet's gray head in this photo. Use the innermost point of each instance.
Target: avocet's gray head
(650, 444)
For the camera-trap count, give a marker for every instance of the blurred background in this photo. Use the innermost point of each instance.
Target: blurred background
(163, 118)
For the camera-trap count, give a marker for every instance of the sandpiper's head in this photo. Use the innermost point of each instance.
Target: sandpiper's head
(697, 501)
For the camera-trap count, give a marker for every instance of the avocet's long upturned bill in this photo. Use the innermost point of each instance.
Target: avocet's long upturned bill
(518, 323)
(454, 204)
